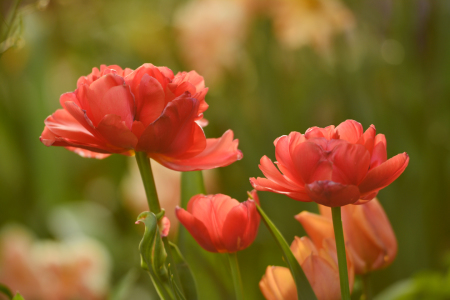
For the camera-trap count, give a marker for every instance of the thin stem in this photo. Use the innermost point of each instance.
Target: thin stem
(153, 203)
(149, 182)
(342, 257)
(367, 287)
(236, 275)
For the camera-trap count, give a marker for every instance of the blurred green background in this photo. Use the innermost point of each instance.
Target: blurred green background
(389, 66)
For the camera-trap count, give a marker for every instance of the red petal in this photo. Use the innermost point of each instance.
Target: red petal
(263, 184)
(310, 161)
(175, 132)
(285, 164)
(331, 193)
(328, 132)
(110, 95)
(88, 154)
(369, 138)
(218, 153)
(234, 228)
(383, 175)
(379, 153)
(350, 163)
(150, 100)
(196, 228)
(113, 129)
(350, 131)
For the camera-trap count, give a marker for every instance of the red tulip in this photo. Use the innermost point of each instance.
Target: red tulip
(320, 266)
(331, 166)
(219, 223)
(370, 240)
(149, 109)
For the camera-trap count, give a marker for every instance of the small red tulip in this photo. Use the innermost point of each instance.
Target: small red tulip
(149, 110)
(219, 223)
(331, 166)
(320, 266)
(370, 240)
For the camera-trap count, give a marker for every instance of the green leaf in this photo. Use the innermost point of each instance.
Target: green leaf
(304, 290)
(178, 294)
(18, 297)
(186, 277)
(6, 291)
(153, 255)
(120, 291)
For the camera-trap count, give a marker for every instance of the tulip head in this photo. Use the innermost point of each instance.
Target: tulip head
(370, 239)
(219, 223)
(148, 110)
(320, 266)
(331, 166)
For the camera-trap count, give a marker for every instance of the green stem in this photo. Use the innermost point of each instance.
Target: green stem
(153, 203)
(367, 287)
(342, 257)
(236, 275)
(304, 289)
(149, 182)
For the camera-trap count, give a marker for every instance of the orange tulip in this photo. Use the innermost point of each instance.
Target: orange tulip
(149, 110)
(320, 266)
(219, 223)
(331, 166)
(370, 240)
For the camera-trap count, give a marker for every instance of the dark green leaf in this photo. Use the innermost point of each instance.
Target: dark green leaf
(6, 291)
(186, 277)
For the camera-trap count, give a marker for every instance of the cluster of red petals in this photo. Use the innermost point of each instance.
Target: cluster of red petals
(319, 262)
(148, 109)
(369, 237)
(333, 166)
(219, 223)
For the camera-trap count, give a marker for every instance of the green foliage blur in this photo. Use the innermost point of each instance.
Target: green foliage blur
(392, 70)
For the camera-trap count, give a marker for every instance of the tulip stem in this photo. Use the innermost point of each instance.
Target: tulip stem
(153, 203)
(149, 182)
(341, 254)
(367, 288)
(236, 275)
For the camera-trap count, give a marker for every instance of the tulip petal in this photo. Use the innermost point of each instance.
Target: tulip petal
(234, 228)
(379, 153)
(150, 100)
(332, 194)
(328, 132)
(64, 125)
(369, 138)
(87, 154)
(175, 131)
(110, 95)
(196, 228)
(350, 130)
(218, 153)
(383, 175)
(350, 163)
(285, 164)
(278, 284)
(316, 226)
(114, 130)
(311, 162)
(263, 184)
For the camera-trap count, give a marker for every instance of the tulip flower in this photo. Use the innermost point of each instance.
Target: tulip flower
(219, 223)
(331, 166)
(149, 110)
(370, 240)
(320, 266)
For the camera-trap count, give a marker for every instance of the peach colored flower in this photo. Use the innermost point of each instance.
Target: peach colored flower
(213, 31)
(320, 266)
(149, 109)
(76, 269)
(310, 22)
(370, 239)
(331, 166)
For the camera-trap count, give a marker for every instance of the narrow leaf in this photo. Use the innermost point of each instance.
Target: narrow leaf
(304, 290)
(6, 291)
(186, 277)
